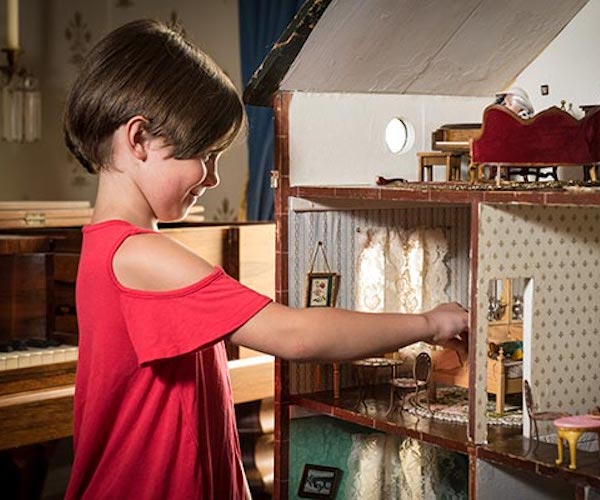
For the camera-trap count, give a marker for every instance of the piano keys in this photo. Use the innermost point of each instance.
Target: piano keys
(36, 356)
(455, 137)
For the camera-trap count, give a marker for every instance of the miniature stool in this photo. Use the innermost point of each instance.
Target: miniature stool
(427, 160)
(571, 429)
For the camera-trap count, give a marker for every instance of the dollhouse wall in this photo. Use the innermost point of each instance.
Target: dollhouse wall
(339, 231)
(558, 247)
(339, 139)
(495, 482)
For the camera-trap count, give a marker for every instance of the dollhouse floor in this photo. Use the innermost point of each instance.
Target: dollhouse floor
(506, 443)
(452, 404)
(513, 185)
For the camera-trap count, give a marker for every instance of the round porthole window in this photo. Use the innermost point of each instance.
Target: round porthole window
(399, 135)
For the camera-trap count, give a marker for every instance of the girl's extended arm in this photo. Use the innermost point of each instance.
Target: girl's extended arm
(324, 334)
(328, 334)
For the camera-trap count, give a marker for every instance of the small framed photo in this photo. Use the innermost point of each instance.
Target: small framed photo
(319, 481)
(321, 289)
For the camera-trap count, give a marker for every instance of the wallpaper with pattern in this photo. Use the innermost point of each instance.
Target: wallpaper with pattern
(557, 247)
(340, 232)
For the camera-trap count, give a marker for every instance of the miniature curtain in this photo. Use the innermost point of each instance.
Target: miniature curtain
(401, 270)
(385, 466)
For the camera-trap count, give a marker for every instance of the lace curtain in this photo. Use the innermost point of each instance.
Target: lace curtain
(385, 467)
(401, 270)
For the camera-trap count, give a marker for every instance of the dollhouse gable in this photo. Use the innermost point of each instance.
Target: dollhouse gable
(354, 66)
(418, 47)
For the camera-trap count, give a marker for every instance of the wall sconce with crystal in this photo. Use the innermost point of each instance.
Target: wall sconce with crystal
(21, 108)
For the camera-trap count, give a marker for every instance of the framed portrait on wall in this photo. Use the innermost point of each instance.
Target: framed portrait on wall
(319, 481)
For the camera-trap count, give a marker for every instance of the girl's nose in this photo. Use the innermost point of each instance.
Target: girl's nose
(212, 176)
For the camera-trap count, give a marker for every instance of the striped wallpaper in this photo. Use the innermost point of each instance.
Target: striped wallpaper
(338, 230)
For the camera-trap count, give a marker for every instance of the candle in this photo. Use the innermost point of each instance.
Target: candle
(12, 24)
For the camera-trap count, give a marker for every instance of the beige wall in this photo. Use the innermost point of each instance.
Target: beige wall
(44, 170)
(556, 247)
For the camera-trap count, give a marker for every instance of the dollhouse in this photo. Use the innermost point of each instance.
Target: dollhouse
(524, 259)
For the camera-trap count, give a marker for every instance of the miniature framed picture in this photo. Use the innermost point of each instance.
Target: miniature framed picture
(319, 481)
(321, 289)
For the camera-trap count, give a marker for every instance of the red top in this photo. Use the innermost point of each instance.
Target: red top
(154, 414)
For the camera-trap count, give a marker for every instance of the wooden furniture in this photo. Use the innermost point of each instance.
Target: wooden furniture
(26, 214)
(449, 369)
(504, 375)
(552, 137)
(427, 160)
(571, 429)
(454, 137)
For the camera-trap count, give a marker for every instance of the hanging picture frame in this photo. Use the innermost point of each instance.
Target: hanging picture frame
(321, 287)
(319, 481)
(322, 291)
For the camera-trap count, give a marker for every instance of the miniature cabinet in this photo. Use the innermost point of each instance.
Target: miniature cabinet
(546, 240)
(505, 346)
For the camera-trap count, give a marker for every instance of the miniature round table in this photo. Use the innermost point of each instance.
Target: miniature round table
(571, 429)
(370, 365)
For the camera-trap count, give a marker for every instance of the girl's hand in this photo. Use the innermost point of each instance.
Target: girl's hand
(449, 325)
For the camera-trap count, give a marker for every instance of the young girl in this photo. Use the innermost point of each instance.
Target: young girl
(154, 416)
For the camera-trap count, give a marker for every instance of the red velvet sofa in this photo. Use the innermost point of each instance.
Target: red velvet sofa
(552, 137)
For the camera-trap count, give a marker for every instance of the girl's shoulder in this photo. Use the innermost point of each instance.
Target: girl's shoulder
(152, 261)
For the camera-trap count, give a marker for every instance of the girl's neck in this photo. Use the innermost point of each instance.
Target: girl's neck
(118, 198)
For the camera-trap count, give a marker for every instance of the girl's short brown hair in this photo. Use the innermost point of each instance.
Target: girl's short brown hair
(148, 68)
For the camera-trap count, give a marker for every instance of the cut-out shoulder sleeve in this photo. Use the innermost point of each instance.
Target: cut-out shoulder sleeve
(167, 324)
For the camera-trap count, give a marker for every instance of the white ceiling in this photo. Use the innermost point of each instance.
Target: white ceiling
(430, 47)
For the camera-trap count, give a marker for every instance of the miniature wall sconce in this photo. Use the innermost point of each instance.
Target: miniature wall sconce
(21, 97)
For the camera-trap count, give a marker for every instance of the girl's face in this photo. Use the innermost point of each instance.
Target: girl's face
(172, 186)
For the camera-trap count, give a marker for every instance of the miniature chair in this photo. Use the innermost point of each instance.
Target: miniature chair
(366, 375)
(534, 415)
(404, 385)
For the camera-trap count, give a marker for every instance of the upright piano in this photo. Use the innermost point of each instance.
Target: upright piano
(39, 255)
(454, 137)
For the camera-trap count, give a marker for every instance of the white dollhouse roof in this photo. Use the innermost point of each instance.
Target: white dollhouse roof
(426, 47)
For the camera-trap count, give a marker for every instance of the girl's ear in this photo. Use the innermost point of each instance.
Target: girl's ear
(137, 138)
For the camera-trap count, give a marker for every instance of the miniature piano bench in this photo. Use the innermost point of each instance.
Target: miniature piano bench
(427, 160)
(571, 429)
